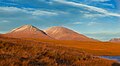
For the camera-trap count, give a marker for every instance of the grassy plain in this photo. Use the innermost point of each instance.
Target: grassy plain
(22, 52)
(95, 48)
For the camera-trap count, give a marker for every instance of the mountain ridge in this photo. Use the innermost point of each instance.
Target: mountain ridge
(62, 33)
(56, 33)
(27, 31)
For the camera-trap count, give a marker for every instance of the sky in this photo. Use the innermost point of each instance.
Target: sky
(98, 19)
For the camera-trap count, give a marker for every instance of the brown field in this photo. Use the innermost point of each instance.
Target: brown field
(19, 52)
(94, 48)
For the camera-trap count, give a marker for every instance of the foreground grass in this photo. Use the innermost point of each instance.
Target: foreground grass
(17, 52)
(94, 48)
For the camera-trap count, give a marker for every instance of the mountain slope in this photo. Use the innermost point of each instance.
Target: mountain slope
(115, 40)
(62, 33)
(27, 31)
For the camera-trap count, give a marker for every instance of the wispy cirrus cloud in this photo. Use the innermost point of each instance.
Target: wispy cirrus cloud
(107, 4)
(40, 12)
(4, 21)
(93, 23)
(8, 3)
(27, 11)
(90, 8)
(77, 23)
(100, 0)
(88, 24)
(89, 15)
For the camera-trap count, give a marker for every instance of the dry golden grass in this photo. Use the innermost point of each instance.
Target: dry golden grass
(19, 52)
(95, 48)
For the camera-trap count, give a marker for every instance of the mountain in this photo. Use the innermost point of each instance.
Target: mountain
(62, 33)
(115, 40)
(27, 31)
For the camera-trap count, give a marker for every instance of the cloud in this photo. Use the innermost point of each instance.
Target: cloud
(6, 3)
(76, 23)
(92, 23)
(9, 11)
(89, 15)
(12, 9)
(87, 24)
(107, 4)
(39, 12)
(4, 21)
(90, 8)
(100, 0)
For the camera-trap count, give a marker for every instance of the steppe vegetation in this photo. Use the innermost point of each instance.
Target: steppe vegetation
(19, 52)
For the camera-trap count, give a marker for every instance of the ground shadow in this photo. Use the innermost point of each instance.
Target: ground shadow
(116, 64)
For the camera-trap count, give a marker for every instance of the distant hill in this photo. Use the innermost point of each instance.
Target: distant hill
(62, 33)
(115, 40)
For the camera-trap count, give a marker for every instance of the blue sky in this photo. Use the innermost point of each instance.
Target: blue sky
(99, 19)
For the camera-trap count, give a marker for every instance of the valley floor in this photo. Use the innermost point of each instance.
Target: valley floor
(19, 52)
(94, 48)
